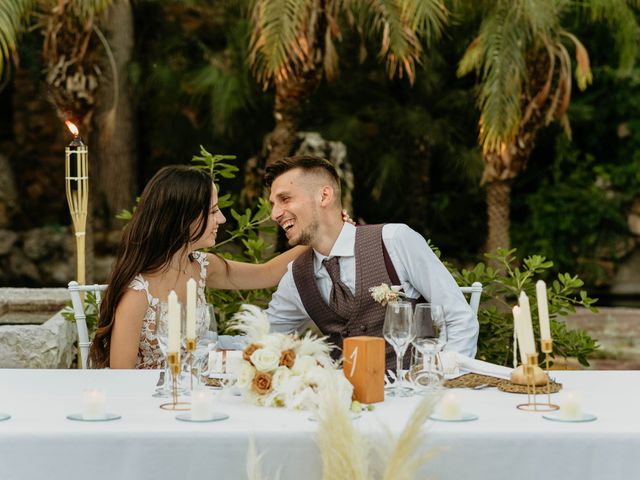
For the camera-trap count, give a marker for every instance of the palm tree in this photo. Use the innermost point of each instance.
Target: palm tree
(521, 58)
(293, 46)
(71, 59)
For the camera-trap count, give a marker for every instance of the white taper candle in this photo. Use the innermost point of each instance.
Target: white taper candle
(174, 323)
(543, 310)
(191, 309)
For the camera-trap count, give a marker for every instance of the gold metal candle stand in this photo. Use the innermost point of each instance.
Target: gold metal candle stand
(529, 371)
(77, 187)
(546, 346)
(190, 344)
(173, 359)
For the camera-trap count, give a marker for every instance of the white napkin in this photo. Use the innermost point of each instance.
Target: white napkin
(455, 364)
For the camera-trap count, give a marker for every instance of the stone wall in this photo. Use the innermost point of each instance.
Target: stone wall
(45, 257)
(33, 333)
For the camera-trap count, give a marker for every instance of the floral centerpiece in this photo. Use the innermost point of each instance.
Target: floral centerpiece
(279, 370)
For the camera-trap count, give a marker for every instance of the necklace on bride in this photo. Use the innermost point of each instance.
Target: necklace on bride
(179, 270)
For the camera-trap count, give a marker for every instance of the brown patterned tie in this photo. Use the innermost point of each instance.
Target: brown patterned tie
(341, 299)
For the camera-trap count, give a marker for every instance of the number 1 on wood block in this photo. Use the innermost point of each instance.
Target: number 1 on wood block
(364, 361)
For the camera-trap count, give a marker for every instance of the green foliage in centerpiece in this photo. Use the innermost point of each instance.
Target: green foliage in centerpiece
(501, 287)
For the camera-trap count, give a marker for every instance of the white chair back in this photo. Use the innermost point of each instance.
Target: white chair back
(75, 291)
(476, 292)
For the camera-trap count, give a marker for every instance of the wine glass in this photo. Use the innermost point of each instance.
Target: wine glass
(207, 333)
(430, 338)
(399, 330)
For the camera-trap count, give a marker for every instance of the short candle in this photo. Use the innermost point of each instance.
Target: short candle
(450, 407)
(570, 408)
(201, 405)
(93, 404)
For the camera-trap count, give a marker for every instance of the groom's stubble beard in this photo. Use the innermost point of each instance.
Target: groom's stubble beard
(308, 235)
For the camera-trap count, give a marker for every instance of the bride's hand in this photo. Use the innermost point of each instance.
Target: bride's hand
(346, 218)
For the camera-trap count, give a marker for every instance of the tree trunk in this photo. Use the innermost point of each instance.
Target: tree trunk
(289, 103)
(498, 210)
(115, 130)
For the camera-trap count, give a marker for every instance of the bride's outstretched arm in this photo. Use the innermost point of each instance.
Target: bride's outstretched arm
(243, 276)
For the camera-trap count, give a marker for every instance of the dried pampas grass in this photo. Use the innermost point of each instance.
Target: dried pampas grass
(408, 454)
(254, 463)
(344, 451)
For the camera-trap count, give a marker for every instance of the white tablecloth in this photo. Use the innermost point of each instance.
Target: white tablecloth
(38, 442)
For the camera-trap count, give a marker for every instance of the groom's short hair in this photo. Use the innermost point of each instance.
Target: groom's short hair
(308, 163)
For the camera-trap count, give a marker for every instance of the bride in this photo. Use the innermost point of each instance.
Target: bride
(177, 216)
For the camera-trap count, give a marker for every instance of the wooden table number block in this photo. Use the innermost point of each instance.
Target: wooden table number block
(364, 362)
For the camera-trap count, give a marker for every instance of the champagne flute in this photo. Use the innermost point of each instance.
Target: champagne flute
(399, 330)
(430, 338)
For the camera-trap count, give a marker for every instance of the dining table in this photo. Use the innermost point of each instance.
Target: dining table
(39, 441)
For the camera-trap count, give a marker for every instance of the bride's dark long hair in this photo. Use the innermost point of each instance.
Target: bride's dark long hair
(172, 201)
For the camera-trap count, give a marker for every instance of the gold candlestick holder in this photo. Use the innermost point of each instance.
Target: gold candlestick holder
(190, 347)
(173, 359)
(532, 404)
(546, 346)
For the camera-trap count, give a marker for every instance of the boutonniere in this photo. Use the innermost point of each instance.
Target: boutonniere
(384, 294)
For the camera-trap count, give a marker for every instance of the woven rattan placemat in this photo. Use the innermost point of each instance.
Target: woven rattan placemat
(472, 380)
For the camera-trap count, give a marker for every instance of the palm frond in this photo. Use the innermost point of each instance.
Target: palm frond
(402, 24)
(502, 48)
(14, 15)
(85, 9)
(623, 20)
(281, 39)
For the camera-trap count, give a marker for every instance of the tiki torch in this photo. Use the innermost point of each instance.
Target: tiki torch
(77, 186)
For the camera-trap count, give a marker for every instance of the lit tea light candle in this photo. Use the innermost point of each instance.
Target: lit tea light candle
(94, 404)
(570, 407)
(201, 405)
(450, 407)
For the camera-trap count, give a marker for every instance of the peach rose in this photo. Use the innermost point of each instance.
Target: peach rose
(261, 383)
(288, 358)
(249, 349)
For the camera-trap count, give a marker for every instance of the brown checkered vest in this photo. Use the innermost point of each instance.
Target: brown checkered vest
(373, 267)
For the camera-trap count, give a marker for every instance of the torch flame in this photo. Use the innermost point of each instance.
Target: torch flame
(72, 128)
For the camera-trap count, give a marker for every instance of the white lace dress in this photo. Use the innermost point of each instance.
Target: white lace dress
(149, 353)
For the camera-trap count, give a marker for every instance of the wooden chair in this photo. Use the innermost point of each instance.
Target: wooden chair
(75, 291)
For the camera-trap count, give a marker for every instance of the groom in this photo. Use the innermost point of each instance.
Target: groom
(330, 283)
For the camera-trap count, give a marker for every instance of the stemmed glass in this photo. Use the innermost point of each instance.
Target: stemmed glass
(430, 338)
(399, 330)
(207, 333)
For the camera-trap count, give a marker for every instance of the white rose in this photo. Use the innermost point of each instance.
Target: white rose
(303, 363)
(266, 359)
(246, 372)
(280, 378)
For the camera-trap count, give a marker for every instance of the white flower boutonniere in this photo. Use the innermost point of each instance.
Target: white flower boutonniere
(384, 293)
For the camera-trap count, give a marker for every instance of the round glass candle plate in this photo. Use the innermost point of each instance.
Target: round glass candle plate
(215, 417)
(4, 416)
(108, 417)
(555, 417)
(354, 416)
(464, 417)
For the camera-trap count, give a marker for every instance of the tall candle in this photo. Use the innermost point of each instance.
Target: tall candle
(191, 309)
(93, 404)
(174, 322)
(543, 310)
(517, 323)
(527, 328)
(201, 405)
